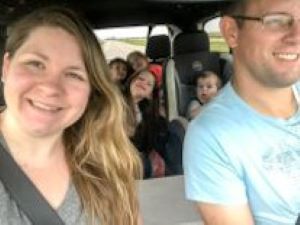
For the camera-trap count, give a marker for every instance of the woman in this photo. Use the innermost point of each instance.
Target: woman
(64, 122)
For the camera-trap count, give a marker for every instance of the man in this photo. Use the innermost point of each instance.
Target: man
(242, 153)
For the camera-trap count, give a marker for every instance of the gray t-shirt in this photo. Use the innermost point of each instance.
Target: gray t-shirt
(70, 210)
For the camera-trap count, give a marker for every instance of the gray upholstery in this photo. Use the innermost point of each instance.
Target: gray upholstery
(163, 202)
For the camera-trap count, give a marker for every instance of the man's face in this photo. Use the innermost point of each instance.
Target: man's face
(269, 58)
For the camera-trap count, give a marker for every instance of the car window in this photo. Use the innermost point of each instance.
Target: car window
(118, 42)
(159, 29)
(217, 42)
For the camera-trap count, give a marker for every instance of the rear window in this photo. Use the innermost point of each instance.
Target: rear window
(119, 42)
(217, 42)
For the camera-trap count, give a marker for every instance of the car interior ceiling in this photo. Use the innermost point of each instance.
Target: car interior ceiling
(113, 13)
(184, 14)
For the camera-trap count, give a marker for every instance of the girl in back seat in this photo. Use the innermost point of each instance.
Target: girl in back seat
(139, 61)
(148, 128)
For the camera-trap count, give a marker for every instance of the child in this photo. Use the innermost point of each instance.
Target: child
(141, 93)
(207, 85)
(119, 70)
(139, 61)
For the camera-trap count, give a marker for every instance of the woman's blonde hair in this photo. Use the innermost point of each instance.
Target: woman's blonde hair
(104, 163)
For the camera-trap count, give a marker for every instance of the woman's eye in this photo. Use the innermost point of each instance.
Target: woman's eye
(75, 76)
(36, 64)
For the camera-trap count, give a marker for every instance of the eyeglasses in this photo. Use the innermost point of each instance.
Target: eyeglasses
(271, 21)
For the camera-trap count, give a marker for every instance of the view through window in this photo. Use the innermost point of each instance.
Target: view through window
(118, 42)
(217, 42)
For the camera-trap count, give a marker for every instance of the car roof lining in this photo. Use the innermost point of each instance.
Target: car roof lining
(115, 13)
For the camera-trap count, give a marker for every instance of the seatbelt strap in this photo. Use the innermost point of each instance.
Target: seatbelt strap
(25, 194)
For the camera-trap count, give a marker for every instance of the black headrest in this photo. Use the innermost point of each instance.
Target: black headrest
(158, 47)
(189, 65)
(191, 42)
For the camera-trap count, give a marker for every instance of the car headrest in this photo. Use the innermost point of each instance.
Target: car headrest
(158, 47)
(186, 43)
(189, 65)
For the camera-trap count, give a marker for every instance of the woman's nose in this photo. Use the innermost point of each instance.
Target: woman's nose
(52, 85)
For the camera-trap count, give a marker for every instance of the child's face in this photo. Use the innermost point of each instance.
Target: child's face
(118, 71)
(142, 86)
(207, 88)
(139, 63)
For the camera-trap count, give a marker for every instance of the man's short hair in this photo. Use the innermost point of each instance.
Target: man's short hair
(237, 7)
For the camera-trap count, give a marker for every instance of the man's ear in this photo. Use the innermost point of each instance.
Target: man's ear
(5, 66)
(230, 31)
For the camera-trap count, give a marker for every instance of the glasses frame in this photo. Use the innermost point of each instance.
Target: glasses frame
(262, 18)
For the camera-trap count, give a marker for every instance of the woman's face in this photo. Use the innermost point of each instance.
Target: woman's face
(142, 86)
(46, 86)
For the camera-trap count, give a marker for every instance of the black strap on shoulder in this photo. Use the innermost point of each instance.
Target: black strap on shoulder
(25, 194)
(298, 220)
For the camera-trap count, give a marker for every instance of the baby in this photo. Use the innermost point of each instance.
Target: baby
(207, 86)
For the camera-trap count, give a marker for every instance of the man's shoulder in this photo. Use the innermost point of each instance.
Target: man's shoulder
(297, 85)
(224, 113)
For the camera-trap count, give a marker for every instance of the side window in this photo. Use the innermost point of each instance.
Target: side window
(217, 42)
(118, 42)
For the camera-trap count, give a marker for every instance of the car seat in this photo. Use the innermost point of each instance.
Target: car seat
(191, 55)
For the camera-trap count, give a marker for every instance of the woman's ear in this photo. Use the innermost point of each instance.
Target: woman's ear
(5, 67)
(230, 30)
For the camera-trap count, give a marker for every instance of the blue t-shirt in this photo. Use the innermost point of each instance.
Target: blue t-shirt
(234, 155)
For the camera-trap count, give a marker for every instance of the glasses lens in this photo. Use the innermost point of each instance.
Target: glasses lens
(278, 22)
